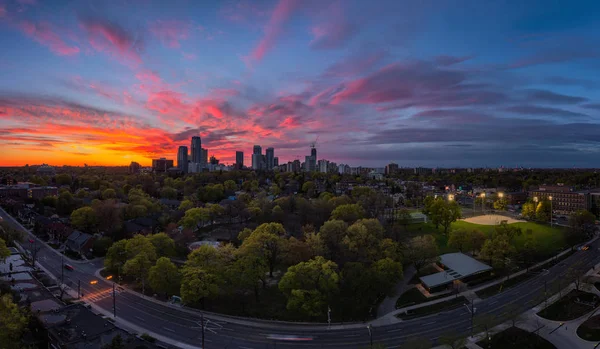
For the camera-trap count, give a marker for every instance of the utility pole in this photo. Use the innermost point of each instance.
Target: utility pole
(62, 269)
(370, 328)
(472, 316)
(114, 302)
(78, 289)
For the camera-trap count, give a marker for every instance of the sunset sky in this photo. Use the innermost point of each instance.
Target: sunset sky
(421, 83)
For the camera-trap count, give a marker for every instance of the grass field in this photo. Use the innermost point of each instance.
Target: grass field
(550, 239)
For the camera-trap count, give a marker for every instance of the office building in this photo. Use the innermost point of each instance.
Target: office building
(214, 160)
(323, 166)
(134, 167)
(269, 156)
(257, 149)
(257, 158)
(161, 165)
(182, 158)
(203, 157)
(239, 160)
(391, 169)
(310, 164)
(196, 150)
(423, 171)
(565, 200)
(275, 161)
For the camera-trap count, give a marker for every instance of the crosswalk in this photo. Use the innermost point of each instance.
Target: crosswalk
(100, 295)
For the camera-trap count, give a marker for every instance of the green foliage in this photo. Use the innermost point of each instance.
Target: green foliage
(63, 179)
(138, 267)
(85, 219)
(497, 249)
(186, 205)
(65, 203)
(163, 244)
(453, 340)
(140, 244)
(332, 233)
(309, 188)
(197, 284)
(116, 256)
(242, 235)
(362, 240)
(109, 194)
(266, 241)
(528, 210)
(581, 225)
(12, 323)
(168, 193)
(211, 193)
(310, 286)
(101, 246)
(387, 273)
(501, 204)
(50, 201)
(542, 211)
(444, 213)
(195, 217)
(229, 185)
(164, 277)
(4, 251)
(348, 213)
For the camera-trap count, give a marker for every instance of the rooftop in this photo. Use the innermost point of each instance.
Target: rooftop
(459, 266)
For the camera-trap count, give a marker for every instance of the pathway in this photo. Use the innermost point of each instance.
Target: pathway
(388, 305)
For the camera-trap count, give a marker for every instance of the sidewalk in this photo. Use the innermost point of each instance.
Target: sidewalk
(388, 305)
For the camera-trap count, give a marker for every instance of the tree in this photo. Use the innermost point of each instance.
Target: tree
(501, 204)
(109, 194)
(50, 201)
(422, 250)
(404, 218)
(163, 244)
(460, 239)
(207, 258)
(449, 213)
(63, 179)
(309, 188)
(310, 286)
(116, 343)
(168, 193)
(215, 211)
(387, 273)
(140, 244)
(110, 216)
(332, 233)
(65, 204)
(427, 205)
(85, 218)
(138, 267)
(197, 285)
(164, 277)
(116, 256)
(362, 240)
(581, 225)
(12, 322)
(348, 213)
(542, 211)
(230, 185)
(266, 241)
(186, 205)
(195, 217)
(496, 250)
(245, 273)
(4, 251)
(528, 210)
(477, 240)
(242, 235)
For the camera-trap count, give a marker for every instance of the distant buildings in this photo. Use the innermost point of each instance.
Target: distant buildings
(423, 171)
(565, 200)
(196, 150)
(323, 166)
(203, 157)
(45, 170)
(239, 160)
(161, 165)
(270, 158)
(214, 160)
(257, 158)
(391, 169)
(182, 158)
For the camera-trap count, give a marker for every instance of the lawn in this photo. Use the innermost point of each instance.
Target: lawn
(434, 308)
(549, 238)
(590, 329)
(514, 337)
(569, 306)
(495, 289)
(414, 296)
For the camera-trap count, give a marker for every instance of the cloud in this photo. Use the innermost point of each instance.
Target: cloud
(334, 31)
(356, 64)
(450, 60)
(564, 81)
(189, 56)
(556, 55)
(45, 34)
(171, 32)
(533, 110)
(108, 37)
(552, 97)
(279, 17)
(595, 106)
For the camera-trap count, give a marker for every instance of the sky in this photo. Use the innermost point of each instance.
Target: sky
(420, 83)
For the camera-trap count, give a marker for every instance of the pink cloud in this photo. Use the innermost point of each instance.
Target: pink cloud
(189, 56)
(171, 32)
(279, 17)
(44, 34)
(2, 11)
(334, 30)
(148, 76)
(108, 37)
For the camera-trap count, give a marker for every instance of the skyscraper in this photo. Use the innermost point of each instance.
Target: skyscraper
(196, 154)
(275, 161)
(203, 157)
(270, 156)
(182, 158)
(313, 152)
(239, 160)
(257, 149)
(257, 157)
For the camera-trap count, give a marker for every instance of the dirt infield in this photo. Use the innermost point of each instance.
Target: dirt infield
(491, 219)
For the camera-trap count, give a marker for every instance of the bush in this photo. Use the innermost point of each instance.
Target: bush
(148, 338)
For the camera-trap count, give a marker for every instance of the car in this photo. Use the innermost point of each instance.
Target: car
(585, 248)
(69, 267)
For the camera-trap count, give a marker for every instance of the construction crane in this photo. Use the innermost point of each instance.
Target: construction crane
(314, 144)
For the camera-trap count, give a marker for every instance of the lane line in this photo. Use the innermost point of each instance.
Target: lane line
(168, 329)
(352, 335)
(140, 318)
(429, 323)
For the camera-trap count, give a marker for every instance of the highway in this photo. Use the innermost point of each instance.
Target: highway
(183, 325)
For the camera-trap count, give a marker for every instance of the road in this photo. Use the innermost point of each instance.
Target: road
(182, 325)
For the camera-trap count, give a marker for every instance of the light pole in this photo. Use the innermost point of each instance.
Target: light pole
(370, 328)
(483, 203)
(450, 197)
(551, 222)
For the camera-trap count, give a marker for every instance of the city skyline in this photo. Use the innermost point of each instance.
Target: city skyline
(467, 84)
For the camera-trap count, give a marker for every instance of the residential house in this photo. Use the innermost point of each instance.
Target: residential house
(79, 242)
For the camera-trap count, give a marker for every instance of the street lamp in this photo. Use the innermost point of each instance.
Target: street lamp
(482, 203)
(450, 197)
(550, 198)
(370, 328)
(501, 195)
(535, 199)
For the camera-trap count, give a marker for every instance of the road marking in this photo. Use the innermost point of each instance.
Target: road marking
(140, 318)
(429, 323)
(168, 329)
(494, 302)
(352, 335)
(396, 330)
